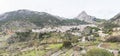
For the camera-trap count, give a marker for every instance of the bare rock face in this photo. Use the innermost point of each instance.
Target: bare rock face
(83, 16)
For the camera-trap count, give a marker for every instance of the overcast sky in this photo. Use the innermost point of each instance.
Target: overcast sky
(104, 9)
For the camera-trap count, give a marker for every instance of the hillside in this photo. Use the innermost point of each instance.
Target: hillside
(38, 18)
(17, 25)
(116, 19)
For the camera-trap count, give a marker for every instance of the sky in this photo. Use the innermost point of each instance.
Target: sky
(104, 9)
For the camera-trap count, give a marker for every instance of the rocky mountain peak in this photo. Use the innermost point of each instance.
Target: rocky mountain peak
(83, 16)
(83, 13)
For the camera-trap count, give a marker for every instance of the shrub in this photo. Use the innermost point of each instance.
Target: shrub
(113, 39)
(98, 52)
(67, 44)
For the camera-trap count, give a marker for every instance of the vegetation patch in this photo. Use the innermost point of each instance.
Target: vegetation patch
(98, 52)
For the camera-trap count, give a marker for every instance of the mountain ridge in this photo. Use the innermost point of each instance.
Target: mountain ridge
(116, 19)
(40, 19)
